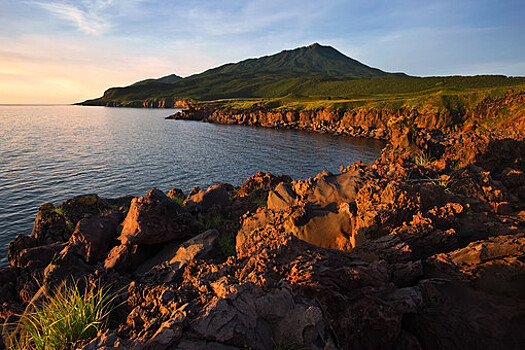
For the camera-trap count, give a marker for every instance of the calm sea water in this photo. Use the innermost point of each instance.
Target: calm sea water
(52, 153)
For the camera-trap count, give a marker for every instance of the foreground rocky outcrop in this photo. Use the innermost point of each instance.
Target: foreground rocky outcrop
(422, 249)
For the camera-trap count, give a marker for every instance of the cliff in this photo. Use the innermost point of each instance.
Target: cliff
(504, 115)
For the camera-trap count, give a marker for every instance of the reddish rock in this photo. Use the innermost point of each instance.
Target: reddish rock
(217, 195)
(154, 219)
(496, 265)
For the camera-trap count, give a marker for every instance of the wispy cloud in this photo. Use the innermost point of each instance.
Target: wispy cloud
(90, 16)
(88, 20)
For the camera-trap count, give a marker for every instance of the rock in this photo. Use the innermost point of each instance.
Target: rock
(216, 195)
(68, 264)
(453, 316)
(496, 265)
(51, 225)
(154, 219)
(38, 258)
(314, 225)
(261, 181)
(324, 190)
(175, 256)
(126, 257)
(106, 340)
(176, 194)
(18, 244)
(95, 234)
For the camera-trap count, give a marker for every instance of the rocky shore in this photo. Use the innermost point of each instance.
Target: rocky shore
(422, 249)
(504, 116)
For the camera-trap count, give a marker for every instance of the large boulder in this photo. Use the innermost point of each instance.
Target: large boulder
(51, 225)
(154, 219)
(322, 227)
(95, 234)
(324, 190)
(216, 195)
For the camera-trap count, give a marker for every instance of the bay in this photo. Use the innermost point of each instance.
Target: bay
(52, 153)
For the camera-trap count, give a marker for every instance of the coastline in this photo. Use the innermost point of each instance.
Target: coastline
(404, 252)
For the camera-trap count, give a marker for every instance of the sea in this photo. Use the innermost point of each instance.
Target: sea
(50, 153)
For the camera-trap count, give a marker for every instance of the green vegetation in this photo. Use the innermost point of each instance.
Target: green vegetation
(67, 316)
(260, 202)
(69, 224)
(210, 221)
(316, 77)
(178, 200)
(227, 245)
(422, 159)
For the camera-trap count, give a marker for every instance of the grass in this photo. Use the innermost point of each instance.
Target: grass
(67, 316)
(227, 245)
(260, 202)
(178, 200)
(210, 222)
(69, 224)
(422, 159)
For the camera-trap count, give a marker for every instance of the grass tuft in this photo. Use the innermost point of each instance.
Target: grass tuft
(422, 159)
(65, 317)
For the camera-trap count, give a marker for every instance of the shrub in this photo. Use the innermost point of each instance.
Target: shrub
(65, 317)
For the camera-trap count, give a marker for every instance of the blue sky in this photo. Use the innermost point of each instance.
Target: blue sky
(62, 51)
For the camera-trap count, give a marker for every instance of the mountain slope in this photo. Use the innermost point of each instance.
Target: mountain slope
(258, 77)
(308, 61)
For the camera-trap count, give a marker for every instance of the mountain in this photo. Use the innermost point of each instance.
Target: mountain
(269, 76)
(168, 79)
(309, 61)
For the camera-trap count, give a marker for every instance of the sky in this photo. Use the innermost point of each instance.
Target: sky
(66, 51)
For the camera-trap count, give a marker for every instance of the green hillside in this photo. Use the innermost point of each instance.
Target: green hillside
(312, 72)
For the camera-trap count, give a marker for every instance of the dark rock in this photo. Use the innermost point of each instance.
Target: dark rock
(95, 235)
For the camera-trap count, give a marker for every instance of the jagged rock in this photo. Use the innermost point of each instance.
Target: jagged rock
(50, 225)
(154, 219)
(261, 181)
(323, 190)
(318, 226)
(106, 340)
(175, 256)
(67, 264)
(126, 257)
(95, 234)
(495, 265)
(216, 195)
(18, 244)
(37, 258)
(176, 193)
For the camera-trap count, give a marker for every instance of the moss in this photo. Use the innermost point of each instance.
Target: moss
(87, 200)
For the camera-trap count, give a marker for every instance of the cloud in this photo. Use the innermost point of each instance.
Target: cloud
(94, 17)
(88, 21)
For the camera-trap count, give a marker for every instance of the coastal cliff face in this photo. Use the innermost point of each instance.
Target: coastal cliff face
(422, 249)
(503, 114)
(156, 103)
